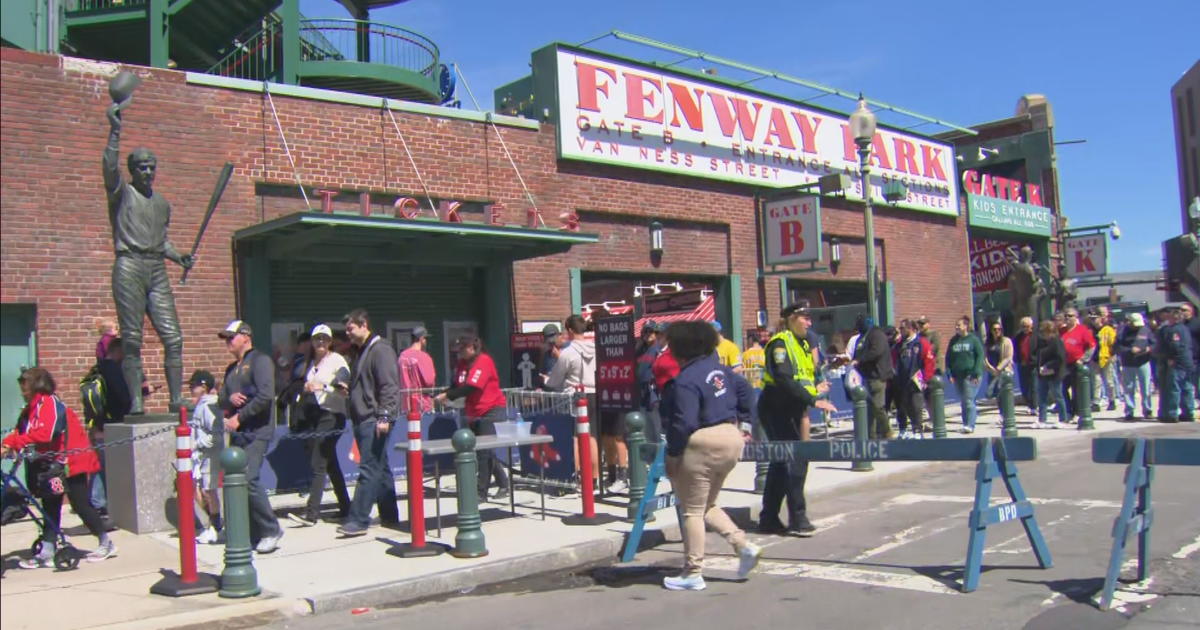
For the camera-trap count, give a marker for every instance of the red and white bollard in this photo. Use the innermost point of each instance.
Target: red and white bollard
(583, 433)
(416, 487)
(188, 582)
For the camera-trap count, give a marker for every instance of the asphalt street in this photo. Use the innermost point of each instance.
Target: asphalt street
(889, 555)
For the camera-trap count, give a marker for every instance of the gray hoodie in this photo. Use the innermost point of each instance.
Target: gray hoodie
(576, 364)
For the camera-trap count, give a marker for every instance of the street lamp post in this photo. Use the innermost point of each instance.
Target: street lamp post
(862, 125)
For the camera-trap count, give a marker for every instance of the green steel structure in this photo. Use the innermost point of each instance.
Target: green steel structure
(262, 40)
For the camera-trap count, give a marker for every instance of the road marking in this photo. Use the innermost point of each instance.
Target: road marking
(901, 538)
(833, 573)
(1187, 549)
(910, 499)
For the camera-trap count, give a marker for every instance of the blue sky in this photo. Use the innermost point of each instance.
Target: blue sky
(1107, 68)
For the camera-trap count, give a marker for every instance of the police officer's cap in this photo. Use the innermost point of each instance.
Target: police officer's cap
(797, 308)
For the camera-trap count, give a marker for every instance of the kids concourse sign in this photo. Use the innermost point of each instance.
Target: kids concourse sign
(618, 112)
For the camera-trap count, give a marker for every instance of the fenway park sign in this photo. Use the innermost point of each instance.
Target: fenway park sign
(616, 112)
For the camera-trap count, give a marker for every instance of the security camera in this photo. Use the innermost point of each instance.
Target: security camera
(1115, 231)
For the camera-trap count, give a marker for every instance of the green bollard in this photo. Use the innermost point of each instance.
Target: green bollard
(760, 468)
(937, 405)
(468, 542)
(635, 437)
(859, 396)
(1008, 411)
(1083, 397)
(239, 578)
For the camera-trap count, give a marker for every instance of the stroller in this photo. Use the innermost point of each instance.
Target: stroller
(17, 501)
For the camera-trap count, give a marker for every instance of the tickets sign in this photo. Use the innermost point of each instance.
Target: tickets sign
(617, 112)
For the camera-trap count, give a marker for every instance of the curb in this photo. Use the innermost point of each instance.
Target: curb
(251, 614)
(449, 582)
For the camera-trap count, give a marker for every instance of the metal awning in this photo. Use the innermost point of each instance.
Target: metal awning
(349, 238)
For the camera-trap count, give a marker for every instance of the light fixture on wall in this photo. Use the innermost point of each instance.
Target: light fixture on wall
(985, 152)
(640, 290)
(658, 287)
(656, 238)
(835, 250)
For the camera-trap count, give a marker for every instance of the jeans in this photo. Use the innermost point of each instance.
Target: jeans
(489, 466)
(967, 388)
(1027, 379)
(99, 491)
(323, 459)
(1104, 383)
(375, 481)
(263, 523)
(1050, 389)
(1136, 378)
(878, 425)
(910, 406)
(1178, 399)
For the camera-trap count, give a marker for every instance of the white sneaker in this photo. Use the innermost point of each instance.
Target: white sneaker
(1055, 424)
(269, 544)
(103, 552)
(684, 583)
(619, 486)
(208, 536)
(1039, 425)
(748, 559)
(967, 430)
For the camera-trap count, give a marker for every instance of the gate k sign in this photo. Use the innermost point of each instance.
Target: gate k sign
(1086, 256)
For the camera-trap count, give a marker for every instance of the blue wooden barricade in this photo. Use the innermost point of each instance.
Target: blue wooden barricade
(996, 459)
(1136, 515)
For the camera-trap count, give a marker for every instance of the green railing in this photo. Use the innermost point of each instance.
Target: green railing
(259, 56)
(99, 5)
(369, 42)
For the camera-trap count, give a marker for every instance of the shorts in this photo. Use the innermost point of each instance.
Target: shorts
(202, 473)
(612, 423)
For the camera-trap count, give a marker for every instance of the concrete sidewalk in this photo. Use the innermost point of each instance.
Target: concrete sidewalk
(314, 571)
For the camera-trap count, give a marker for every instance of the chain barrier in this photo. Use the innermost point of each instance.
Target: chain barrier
(47, 455)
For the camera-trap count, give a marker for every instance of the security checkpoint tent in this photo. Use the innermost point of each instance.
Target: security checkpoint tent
(311, 267)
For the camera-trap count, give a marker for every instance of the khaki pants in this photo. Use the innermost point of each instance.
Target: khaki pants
(697, 477)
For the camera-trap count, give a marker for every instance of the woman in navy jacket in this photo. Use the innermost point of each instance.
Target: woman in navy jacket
(700, 409)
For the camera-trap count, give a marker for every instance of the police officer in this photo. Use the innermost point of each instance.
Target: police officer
(1177, 398)
(789, 390)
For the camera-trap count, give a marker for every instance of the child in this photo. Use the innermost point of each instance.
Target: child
(207, 432)
(106, 327)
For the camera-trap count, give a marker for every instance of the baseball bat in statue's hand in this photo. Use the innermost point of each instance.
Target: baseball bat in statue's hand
(222, 182)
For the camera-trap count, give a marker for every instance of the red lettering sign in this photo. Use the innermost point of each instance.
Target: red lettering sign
(791, 237)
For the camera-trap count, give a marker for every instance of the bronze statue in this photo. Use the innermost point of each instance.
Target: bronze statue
(140, 285)
(1066, 290)
(1024, 286)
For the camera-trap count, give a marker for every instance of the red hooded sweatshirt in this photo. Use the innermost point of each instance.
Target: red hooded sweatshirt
(36, 427)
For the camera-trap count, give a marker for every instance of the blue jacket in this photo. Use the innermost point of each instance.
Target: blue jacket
(704, 394)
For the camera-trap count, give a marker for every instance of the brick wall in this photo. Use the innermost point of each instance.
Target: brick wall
(57, 248)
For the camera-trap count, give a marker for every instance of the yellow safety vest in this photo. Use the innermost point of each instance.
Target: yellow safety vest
(801, 357)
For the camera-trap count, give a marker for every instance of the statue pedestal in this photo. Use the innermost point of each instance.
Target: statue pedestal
(141, 475)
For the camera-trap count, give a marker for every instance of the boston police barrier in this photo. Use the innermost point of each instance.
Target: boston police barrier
(1136, 515)
(995, 459)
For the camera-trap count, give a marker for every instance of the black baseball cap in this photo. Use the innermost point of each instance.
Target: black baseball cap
(797, 308)
(202, 377)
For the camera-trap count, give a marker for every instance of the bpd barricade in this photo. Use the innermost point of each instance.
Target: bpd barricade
(1136, 515)
(995, 459)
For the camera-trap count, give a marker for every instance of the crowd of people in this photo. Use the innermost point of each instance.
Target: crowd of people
(696, 387)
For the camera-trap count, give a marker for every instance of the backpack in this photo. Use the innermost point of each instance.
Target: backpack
(93, 394)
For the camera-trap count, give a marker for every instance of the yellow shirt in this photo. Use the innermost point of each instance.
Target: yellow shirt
(1107, 337)
(753, 360)
(729, 353)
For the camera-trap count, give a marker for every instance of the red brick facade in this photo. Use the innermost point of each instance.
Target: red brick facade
(57, 249)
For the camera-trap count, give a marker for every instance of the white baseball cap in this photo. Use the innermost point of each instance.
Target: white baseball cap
(322, 329)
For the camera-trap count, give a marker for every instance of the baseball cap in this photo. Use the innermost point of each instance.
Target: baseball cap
(1136, 319)
(420, 332)
(550, 331)
(322, 329)
(798, 308)
(202, 377)
(235, 327)
(716, 325)
(652, 326)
